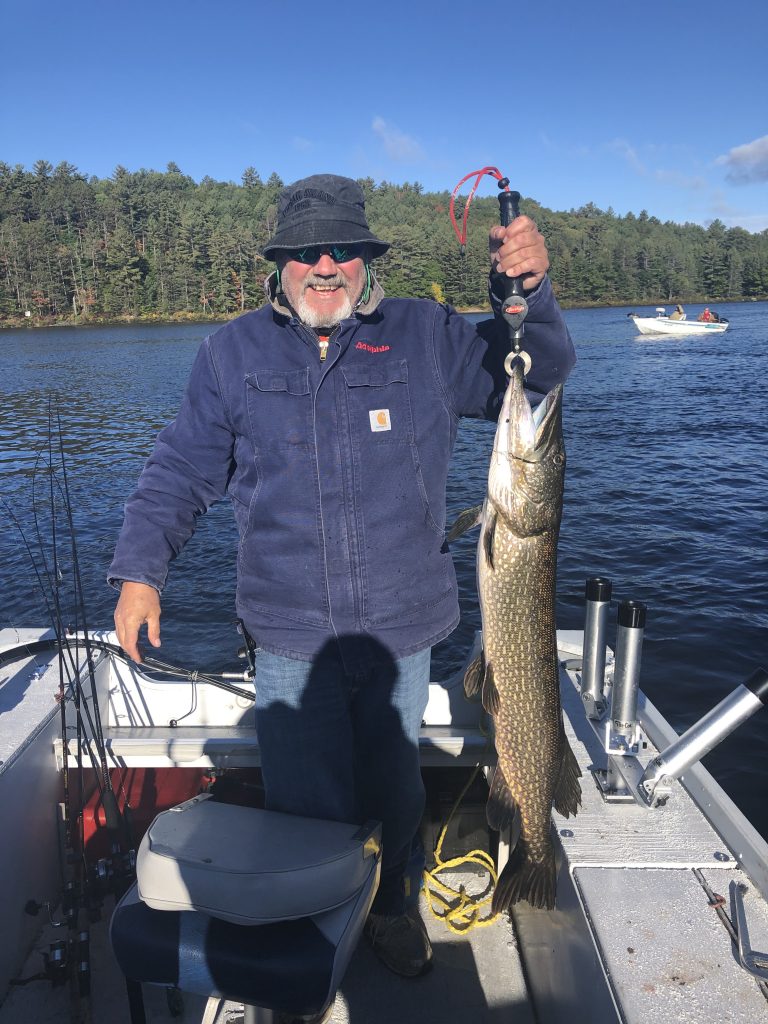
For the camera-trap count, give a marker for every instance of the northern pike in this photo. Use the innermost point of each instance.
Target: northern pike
(517, 673)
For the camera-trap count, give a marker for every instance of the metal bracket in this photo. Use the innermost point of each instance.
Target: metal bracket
(611, 786)
(619, 744)
(595, 709)
(755, 963)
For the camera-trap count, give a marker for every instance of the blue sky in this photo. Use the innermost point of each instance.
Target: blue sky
(656, 106)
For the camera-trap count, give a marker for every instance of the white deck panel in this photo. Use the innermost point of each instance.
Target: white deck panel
(623, 835)
(668, 957)
(28, 689)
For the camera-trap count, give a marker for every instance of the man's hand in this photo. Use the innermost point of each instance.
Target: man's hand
(519, 250)
(138, 604)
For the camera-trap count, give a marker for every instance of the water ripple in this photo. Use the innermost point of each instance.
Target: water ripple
(665, 494)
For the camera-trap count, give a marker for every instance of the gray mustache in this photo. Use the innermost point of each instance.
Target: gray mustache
(336, 281)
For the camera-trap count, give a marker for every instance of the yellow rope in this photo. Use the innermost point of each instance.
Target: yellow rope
(458, 909)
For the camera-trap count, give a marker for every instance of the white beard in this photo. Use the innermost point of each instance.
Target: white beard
(313, 318)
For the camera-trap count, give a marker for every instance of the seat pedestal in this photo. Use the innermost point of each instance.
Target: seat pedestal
(286, 966)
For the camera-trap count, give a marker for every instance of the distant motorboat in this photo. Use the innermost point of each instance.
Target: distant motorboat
(663, 324)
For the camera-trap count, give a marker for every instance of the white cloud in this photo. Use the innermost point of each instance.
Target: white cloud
(397, 145)
(747, 163)
(629, 153)
(300, 143)
(754, 222)
(675, 178)
(733, 216)
(681, 180)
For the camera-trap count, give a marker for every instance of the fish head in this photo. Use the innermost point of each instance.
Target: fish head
(526, 477)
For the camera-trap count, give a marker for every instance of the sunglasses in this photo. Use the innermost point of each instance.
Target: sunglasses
(338, 253)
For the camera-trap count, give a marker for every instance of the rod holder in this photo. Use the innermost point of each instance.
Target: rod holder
(737, 707)
(623, 734)
(597, 601)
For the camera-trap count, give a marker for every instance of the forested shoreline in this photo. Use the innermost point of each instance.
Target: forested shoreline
(158, 245)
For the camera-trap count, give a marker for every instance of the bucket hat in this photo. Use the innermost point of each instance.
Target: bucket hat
(323, 209)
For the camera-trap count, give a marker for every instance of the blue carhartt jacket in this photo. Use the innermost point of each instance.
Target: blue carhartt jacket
(336, 469)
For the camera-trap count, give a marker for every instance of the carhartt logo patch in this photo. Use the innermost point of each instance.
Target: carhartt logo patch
(380, 420)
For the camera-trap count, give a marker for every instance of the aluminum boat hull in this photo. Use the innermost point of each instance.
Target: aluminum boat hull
(633, 938)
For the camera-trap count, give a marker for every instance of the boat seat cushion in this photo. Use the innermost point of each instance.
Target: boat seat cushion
(250, 866)
(291, 967)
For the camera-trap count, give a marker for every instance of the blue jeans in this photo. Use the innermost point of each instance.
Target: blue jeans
(339, 740)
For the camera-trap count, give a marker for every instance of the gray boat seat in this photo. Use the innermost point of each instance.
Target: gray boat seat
(248, 905)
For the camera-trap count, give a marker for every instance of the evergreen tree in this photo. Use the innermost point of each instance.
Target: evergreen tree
(148, 241)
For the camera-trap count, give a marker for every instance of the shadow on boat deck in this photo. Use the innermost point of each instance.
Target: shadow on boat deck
(476, 977)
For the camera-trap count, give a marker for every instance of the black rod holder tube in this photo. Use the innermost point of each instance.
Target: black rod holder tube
(626, 674)
(597, 602)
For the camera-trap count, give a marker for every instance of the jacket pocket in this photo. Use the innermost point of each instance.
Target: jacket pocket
(399, 540)
(280, 566)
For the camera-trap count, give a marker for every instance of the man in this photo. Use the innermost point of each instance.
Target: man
(328, 417)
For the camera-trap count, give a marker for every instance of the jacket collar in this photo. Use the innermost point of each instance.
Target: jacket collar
(279, 302)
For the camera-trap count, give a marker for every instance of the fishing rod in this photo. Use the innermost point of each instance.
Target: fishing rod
(55, 643)
(76, 892)
(514, 307)
(72, 670)
(70, 958)
(112, 813)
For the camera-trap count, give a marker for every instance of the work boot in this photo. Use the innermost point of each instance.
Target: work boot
(400, 942)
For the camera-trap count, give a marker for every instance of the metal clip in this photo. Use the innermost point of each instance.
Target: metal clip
(755, 963)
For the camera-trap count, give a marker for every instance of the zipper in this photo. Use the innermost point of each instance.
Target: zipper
(323, 354)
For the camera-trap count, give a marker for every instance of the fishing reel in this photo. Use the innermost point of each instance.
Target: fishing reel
(63, 956)
(114, 874)
(68, 955)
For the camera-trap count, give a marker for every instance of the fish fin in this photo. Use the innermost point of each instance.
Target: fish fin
(473, 677)
(466, 520)
(524, 879)
(491, 700)
(488, 538)
(567, 794)
(501, 809)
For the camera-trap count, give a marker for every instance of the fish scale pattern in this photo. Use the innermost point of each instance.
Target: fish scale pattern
(517, 562)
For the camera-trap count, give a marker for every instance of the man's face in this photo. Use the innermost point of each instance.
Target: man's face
(325, 292)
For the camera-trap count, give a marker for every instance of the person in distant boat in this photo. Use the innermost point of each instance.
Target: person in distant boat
(328, 417)
(678, 313)
(714, 316)
(706, 316)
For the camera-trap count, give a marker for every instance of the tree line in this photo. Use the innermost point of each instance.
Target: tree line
(158, 244)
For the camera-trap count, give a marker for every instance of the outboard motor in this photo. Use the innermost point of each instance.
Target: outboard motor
(245, 904)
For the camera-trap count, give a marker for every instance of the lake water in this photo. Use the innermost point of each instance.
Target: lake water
(666, 493)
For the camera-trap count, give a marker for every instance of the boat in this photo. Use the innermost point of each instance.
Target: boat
(662, 905)
(663, 324)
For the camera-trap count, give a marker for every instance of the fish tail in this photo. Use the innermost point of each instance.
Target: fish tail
(567, 794)
(526, 879)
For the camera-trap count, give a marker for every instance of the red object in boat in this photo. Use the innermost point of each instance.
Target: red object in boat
(147, 791)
